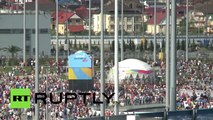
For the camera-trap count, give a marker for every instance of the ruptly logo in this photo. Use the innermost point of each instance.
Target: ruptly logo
(20, 98)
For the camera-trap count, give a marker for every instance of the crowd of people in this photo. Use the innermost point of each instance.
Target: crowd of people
(192, 76)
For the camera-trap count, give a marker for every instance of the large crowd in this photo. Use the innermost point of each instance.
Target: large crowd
(192, 76)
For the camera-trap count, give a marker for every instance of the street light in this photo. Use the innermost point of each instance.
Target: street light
(142, 10)
(56, 2)
(116, 80)
(89, 46)
(122, 29)
(24, 33)
(155, 30)
(102, 59)
(173, 58)
(167, 54)
(36, 58)
(187, 29)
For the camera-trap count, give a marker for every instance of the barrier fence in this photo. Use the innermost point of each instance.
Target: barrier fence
(196, 114)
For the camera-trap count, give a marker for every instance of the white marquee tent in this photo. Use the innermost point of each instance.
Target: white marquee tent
(131, 67)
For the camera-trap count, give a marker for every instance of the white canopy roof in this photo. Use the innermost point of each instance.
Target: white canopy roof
(130, 67)
(134, 64)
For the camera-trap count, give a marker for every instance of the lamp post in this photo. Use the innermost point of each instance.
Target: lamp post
(187, 29)
(116, 82)
(89, 46)
(173, 58)
(142, 11)
(155, 31)
(167, 53)
(102, 59)
(36, 58)
(122, 29)
(56, 2)
(24, 33)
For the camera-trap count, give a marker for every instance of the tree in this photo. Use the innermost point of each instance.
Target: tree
(124, 46)
(12, 50)
(163, 45)
(178, 44)
(145, 44)
(112, 46)
(151, 46)
(141, 46)
(79, 45)
(133, 46)
(75, 44)
(183, 45)
(70, 44)
(193, 46)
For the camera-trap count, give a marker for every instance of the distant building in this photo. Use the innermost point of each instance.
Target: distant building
(11, 33)
(75, 23)
(132, 21)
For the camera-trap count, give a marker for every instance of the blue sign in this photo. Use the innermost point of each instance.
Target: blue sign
(80, 59)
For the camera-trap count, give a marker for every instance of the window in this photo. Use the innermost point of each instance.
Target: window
(5, 31)
(129, 19)
(78, 21)
(70, 22)
(27, 48)
(112, 18)
(129, 27)
(17, 31)
(44, 31)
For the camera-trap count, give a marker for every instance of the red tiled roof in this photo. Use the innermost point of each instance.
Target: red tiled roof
(63, 16)
(76, 28)
(83, 12)
(150, 10)
(159, 18)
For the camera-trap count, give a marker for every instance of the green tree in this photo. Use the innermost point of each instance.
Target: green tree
(141, 46)
(133, 46)
(183, 45)
(79, 45)
(178, 44)
(75, 44)
(70, 44)
(145, 44)
(124, 46)
(83, 46)
(12, 50)
(163, 45)
(151, 46)
(112, 46)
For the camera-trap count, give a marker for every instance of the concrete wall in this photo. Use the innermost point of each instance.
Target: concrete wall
(15, 21)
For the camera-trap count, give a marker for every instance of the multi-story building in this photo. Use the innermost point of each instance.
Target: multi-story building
(75, 23)
(132, 21)
(11, 33)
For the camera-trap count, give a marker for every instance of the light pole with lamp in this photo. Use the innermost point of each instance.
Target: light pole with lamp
(89, 46)
(56, 26)
(36, 58)
(187, 29)
(122, 30)
(24, 33)
(116, 77)
(102, 59)
(173, 58)
(167, 54)
(155, 5)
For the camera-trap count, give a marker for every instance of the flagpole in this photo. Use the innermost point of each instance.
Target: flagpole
(36, 58)
(116, 82)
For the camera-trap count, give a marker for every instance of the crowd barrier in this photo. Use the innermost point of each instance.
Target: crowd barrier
(196, 114)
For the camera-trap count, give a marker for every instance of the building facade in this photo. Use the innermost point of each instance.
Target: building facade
(11, 33)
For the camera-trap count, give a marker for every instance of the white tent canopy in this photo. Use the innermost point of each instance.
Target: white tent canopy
(130, 67)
